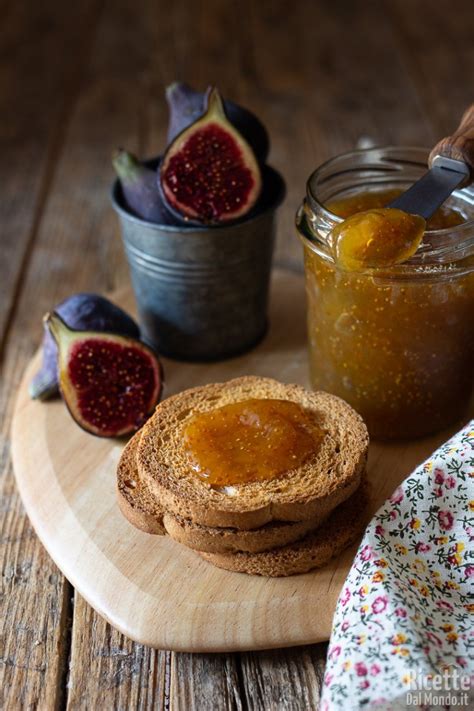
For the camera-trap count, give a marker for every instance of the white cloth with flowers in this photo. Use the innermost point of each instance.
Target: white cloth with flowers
(403, 631)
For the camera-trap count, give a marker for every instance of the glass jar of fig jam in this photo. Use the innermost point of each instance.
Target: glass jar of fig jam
(396, 343)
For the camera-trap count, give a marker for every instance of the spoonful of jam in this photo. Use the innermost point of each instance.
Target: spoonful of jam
(377, 238)
(385, 236)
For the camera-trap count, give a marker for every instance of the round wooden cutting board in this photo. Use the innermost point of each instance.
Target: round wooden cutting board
(152, 589)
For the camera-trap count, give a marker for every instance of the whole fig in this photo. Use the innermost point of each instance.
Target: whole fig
(140, 190)
(186, 105)
(83, 312)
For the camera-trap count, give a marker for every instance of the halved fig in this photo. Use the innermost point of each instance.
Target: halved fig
(83, 312)
(186, 105)
(209, 174)
(110, 383)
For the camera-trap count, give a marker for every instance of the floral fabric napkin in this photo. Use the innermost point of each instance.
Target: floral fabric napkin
(403, 632)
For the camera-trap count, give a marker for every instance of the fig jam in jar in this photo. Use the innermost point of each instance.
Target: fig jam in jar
(396, 342)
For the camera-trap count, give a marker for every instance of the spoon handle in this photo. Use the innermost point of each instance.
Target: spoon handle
(459, 146)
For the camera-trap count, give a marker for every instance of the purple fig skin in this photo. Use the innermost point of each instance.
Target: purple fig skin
(139, 189)
(83, 312)
(59, 330)
(186, 105)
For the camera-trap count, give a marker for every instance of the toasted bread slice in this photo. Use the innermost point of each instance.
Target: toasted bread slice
(231, 540)
(141, 508)
(343, 527)
(310, 492)
(135, 500)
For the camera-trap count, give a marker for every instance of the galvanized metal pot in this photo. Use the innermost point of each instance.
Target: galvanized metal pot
(202, 292)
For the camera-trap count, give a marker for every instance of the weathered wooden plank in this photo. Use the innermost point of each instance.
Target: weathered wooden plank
(109, 671)
(285, 679)
(36, 93)
(438, 50)
(34, 598)
(78, 245)
(34, 101)
(205, 682)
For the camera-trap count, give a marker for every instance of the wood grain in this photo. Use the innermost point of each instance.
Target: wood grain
(324, 76)
(459, 145)
(35, 598)
(278, 679)
(31, 138)
(436, 50)
(205, 682)
(109, 671)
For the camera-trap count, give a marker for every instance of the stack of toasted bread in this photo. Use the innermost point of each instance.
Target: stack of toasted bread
(282, 526)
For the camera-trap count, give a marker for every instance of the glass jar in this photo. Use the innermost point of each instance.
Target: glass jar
(397, 343)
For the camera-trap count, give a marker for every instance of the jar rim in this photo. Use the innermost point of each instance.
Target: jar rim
(312, 197)
(390, 158)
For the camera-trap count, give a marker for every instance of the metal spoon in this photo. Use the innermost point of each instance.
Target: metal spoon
(451, 165)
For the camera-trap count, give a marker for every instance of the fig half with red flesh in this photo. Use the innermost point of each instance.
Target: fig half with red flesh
(186, 105)
(209, 174)
(110, 383)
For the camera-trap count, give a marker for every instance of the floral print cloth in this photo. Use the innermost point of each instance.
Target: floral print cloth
(406, 610)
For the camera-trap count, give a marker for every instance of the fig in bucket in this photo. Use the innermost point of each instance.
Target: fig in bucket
(110, 383)
(140, 190)
(186, 105)
(210, 174)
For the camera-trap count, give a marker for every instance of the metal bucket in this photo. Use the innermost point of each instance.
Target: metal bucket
(202, 293)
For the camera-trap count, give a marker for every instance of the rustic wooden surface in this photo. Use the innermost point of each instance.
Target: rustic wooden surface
(79, 79)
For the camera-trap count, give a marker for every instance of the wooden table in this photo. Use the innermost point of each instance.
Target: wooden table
(79, 79)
